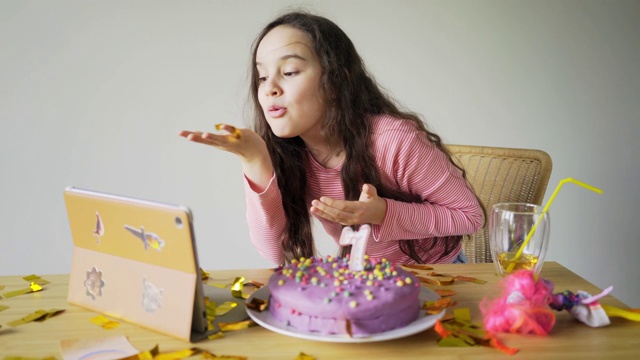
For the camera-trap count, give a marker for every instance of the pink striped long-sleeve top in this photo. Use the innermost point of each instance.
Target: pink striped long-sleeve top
(407, 161)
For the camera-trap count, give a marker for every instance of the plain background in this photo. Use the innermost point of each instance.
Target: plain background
(93, 94)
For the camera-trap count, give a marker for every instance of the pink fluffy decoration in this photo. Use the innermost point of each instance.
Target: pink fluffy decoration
(522, 308)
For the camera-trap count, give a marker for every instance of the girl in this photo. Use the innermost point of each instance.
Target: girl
(328, 142)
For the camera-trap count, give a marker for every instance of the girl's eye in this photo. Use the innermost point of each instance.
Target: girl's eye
(262, 79)
(290, 73)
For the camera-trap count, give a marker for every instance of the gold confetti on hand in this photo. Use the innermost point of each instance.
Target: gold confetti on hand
(235, 133)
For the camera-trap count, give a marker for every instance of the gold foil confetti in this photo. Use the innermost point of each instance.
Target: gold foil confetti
(436, 274)
(441, 281)
(418, 266)
(426, 280)
(215, 336)
(34, 316)
(470, 279)
(3, 307)
(461, 332)
(205, 275)
(445, 292)
(435, 307)
(225, 307)
(219, 286)
(303, 356)
(105, 322)
(32, 288)
(209, 356)
(36, 279)
(210, 308)
(462, 314)
(236, 288)
(235, 133)
(175, 355)
(233, 326)
(1, 288)
(155, 354)
(51, 313)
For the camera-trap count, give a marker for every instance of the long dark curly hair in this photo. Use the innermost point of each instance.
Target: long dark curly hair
(351, 95)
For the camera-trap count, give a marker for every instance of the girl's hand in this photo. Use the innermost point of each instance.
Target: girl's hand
(369, 209)
(242, 142)
(249, 146)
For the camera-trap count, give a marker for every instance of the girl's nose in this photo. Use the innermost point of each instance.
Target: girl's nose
(272, 88)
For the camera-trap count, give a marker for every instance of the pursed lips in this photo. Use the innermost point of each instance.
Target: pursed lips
(276, 111)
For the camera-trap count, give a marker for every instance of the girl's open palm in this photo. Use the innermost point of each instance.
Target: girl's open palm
(369, 209)
(242, 142)
(245, 143)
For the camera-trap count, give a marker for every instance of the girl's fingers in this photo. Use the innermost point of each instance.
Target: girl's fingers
(233, 132)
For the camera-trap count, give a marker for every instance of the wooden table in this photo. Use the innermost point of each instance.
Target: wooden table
(568, 339)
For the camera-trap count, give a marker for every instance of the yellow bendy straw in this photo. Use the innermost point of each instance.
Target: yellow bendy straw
(544, 211)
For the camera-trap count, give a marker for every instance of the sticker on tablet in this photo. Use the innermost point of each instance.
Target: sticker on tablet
(151, 296)
(99, 230)
(149, 239)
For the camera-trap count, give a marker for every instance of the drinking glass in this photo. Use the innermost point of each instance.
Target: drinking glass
(510, 224)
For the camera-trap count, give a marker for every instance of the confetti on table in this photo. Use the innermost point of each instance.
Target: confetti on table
(435, 307)
(105, 322)
(3, 307)
(462, 332)
(236, 288)
(215, 336)
(210, 309)
(225, 308)
(155, 354)
(445, 292)
(205, 275)
(32, 288)
(470, 279)
(36, 279)
(233, 326)
(28, 358)
(49, 314)
(443, 281)
(38, 315)
(303, 356)
(418, 266)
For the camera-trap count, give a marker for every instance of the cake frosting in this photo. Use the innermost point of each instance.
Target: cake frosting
(322, 295)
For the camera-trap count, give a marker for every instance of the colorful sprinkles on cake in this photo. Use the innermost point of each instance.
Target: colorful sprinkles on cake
(334, 273)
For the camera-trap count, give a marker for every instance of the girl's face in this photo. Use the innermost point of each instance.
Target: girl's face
(289, 84)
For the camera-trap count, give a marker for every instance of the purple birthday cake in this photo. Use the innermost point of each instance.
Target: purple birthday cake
(322, 295)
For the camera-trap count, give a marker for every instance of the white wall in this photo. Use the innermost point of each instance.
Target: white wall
(93, 94)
